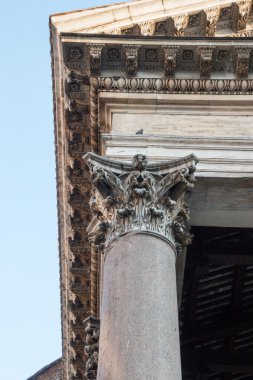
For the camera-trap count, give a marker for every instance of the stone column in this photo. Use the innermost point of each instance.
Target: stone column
(140, 225)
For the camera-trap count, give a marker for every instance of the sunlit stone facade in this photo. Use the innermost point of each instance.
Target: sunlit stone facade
(165, 80)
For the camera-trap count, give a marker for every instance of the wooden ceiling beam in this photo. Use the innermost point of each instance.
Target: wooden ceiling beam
(224, 328)
(225, 257)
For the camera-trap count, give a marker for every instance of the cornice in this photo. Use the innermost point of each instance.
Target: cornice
(148, 17)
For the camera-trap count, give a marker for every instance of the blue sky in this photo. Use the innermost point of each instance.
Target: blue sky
(30, 331)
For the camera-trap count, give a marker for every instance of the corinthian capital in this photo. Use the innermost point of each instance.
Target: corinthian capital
(139, 197)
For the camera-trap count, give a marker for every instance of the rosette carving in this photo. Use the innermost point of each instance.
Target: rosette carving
(142, 197)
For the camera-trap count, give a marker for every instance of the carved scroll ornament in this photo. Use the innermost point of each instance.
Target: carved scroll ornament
(141, 198)
(131, 53)
(92, 327)
(206, 62)
(170, 60)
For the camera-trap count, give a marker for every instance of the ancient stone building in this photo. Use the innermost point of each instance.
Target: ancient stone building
(170, 84)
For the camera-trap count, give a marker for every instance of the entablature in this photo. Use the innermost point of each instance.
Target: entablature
(157, 57)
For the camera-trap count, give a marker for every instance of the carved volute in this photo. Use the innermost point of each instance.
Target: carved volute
(144, 197)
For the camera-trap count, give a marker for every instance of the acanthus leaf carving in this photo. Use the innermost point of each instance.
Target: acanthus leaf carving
(114, 31)
(211, 16)
(95, 58)
(240, 15)
(147, 28)
(131, 56)
(75, 77)
(139, 199)
(242, 62)
(91, 349)
(180, 23)
(170, 60)
(206, 61)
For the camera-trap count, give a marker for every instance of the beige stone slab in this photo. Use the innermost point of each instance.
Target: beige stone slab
(226, 218)
(177, 114)
(191, 124)
(218, 157)
(100, 19)
(222, 202)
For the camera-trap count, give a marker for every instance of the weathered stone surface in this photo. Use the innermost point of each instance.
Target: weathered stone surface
(80, 117)
(91, 346)
(139, 323)
(140, 223)
(147, 17)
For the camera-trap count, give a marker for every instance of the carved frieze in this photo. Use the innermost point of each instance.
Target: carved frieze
(147, 28)
(95, 58)
(119, 58)
(180, 22)
(112, 58)
(131, 59)
(194, 20)
(210, 18)
(242, 62)
(132, 31)
(75, 86)
(162, 27)
(177, 86)
(139, 199)
(187, 59)
(76, 144)
(149, 58)
(114, 31)
(75, 171)
(206, 61)
(91, 349)
(240, 14)
(248, 33)
(225, 13)
(75, 55)
(75, 77)
(170, 60)
(74, 114)
(76, 108)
